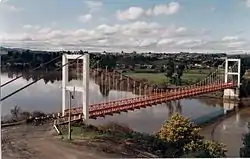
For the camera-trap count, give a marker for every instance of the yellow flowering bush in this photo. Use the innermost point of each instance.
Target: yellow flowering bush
(184, 135)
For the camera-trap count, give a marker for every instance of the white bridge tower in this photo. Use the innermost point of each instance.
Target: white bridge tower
(232, 94)
(83, 88)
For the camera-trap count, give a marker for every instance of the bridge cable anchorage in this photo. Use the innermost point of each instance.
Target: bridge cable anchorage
(43, 64)
(26, 86)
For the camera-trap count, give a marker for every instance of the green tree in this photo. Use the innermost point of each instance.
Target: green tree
(170, 70)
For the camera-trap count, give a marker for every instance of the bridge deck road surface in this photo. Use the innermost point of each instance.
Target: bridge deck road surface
(35, 142)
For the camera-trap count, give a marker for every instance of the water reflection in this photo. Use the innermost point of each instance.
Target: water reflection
(230, 131)
(46, 96)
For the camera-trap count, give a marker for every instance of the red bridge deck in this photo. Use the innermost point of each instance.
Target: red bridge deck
(110, 108)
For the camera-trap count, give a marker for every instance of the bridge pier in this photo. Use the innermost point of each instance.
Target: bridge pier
(229, 105)
(231, 94)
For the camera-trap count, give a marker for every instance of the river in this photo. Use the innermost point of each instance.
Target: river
(45, 96)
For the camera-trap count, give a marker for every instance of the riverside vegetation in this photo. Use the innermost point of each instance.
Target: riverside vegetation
(245, 150)
(178, 137)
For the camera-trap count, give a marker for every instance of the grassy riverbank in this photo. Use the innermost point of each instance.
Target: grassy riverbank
(118, 140)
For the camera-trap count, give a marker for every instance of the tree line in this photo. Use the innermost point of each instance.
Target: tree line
(172, 66)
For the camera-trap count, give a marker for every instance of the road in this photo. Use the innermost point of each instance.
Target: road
(32, 142)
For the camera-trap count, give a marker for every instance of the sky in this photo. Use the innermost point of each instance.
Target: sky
(127, 25)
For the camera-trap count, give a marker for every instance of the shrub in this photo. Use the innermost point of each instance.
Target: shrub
(179, 129)
(245, 150)
(184, 136)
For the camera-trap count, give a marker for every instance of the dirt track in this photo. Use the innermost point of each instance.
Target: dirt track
(32, 142)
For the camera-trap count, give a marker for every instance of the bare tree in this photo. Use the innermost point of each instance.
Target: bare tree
(15, 112)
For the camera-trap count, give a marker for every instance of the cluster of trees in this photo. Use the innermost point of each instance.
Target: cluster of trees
(33, 58)
(25, 59)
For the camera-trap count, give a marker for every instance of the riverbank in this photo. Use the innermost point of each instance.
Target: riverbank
(111, 140)
(117, 140)
(167, 143)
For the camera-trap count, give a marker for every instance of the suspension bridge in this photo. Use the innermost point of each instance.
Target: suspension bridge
(148, 95)
(226, 78)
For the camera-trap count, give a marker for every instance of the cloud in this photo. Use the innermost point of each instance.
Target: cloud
(136, 12)
(32, 27)
(5, 7)
(131, 13)
(247, 3)
(85, 18)
(168, 9)
(181, 29)
(230, 38)
(133, 36)
(93, 5)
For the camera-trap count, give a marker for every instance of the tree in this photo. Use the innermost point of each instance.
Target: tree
(184, 136)
(179, 129)
(15, 112)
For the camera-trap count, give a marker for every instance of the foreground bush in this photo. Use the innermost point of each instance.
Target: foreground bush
(184, 135)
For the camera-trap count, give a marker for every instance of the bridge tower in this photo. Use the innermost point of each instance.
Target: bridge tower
(232, 94)
(83, 88)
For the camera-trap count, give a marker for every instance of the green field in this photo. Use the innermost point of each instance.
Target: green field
(189, 76)
(153, 78)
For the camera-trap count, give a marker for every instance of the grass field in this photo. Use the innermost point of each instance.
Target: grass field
(189, 76)
(153, 78)
(80, 133)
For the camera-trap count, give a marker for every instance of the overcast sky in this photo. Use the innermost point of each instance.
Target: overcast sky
(115, 25)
